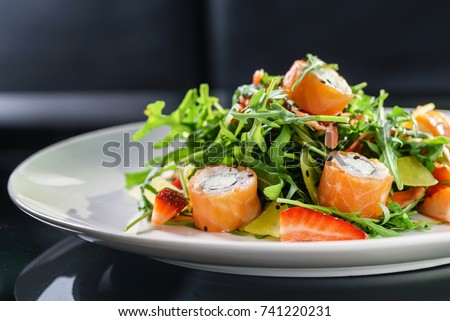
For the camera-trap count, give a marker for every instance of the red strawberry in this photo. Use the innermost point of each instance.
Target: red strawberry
(299, 224)
(177, 183)
(168, 203)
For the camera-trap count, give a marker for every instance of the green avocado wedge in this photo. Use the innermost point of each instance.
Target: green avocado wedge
(268, 223)
(413, 173)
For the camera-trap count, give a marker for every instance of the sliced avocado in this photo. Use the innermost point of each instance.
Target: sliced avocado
(413, 173)
(268, 223)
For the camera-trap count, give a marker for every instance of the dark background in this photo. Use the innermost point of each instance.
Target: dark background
(69, 66)
(92, 45)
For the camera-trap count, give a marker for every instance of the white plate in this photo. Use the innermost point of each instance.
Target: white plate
(65, 186)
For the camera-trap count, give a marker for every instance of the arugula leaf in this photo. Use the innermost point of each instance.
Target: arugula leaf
(363, 104)
(386, 143)
(136, 178)
(198, 110)
(272, 192)
(266, 176)
(157, 119)
(427, 151)
(276, 149)
(399, 219)
(245, 91)
(267, 79)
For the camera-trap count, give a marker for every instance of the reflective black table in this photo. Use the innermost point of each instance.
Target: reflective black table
(74, 269)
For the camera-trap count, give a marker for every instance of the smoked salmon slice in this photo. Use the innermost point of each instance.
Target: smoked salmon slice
(432, 121)
(223, 198)
(437, 197)
(438, 204)
(351, 183)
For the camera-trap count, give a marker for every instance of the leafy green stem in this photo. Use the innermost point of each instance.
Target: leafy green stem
(334, 119)
(140, 218)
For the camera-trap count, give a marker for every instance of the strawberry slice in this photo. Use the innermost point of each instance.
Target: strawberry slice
(299, 224)
(168, 203)
(177, 183)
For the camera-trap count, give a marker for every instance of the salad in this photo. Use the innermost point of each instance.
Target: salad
(298, 157)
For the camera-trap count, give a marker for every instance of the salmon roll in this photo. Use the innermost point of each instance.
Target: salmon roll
(351, 183)
(223, 198)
